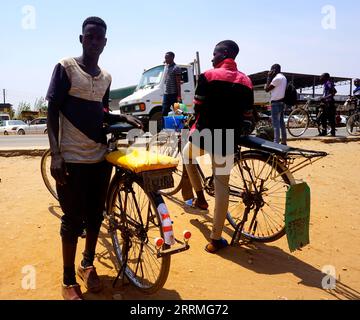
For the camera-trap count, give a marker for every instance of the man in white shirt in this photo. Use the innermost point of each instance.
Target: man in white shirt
(276, 84)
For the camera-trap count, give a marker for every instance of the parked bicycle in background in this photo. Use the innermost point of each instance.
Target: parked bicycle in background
(353, 121)
(305, 116)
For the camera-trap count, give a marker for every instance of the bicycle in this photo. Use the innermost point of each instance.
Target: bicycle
(259, 180)
(46, 173)
(304, 116)
(353, 121)
(137, 218)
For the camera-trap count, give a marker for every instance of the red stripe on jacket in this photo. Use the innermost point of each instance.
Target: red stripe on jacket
(227, 71)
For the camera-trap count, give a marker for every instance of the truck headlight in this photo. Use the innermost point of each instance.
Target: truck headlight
(131, 108)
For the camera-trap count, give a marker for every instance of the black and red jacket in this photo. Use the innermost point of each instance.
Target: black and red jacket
(222, 97)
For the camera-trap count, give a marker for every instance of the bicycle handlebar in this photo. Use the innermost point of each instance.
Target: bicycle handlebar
(119, 128)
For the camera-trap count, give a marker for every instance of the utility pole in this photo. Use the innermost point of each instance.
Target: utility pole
(4, 95)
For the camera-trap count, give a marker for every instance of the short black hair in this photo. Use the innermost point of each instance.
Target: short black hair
(94, 20)
(276, 67)
(172, 54)
(230, 46)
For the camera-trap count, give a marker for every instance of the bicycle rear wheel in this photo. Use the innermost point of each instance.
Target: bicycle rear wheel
(272, 180)
(353, 125)
(298, 122)
(46, 173)
(134, 221)
(168, 143)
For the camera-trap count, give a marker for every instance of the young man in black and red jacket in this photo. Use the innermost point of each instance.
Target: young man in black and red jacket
(224, 98)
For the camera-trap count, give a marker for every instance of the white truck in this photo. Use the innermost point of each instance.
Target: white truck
(146, 101)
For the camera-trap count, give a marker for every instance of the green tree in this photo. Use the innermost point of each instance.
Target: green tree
(23, 106)
(41, 105)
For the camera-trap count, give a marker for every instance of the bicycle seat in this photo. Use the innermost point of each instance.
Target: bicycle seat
(264, 145)
(119, 128)
(139, 160)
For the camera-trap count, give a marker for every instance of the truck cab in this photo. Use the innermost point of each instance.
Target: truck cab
(146, 101)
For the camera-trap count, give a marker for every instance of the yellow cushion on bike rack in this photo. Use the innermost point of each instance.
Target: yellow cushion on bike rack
(140, 160)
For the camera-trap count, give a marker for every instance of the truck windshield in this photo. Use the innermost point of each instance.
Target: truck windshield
(151, 77)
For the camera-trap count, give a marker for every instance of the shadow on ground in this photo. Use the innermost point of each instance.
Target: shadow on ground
(271, 260)
(123, 289)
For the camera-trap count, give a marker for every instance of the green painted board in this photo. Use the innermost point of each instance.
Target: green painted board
(297, 216)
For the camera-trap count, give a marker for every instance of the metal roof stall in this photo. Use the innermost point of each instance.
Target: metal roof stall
(300, 81)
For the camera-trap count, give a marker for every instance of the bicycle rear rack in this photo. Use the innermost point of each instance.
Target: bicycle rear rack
(297, 159)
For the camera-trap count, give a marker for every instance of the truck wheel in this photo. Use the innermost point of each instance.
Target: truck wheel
(157, 116)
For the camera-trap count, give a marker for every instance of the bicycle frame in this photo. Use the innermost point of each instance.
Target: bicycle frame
(291, 162)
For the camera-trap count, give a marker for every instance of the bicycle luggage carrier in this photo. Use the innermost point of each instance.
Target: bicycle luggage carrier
(283, 154)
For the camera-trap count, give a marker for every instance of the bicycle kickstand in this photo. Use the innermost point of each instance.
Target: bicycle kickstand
(121, 274)
(122, 269)
(237, 233)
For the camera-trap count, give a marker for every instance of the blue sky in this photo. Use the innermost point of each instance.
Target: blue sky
(140, 32)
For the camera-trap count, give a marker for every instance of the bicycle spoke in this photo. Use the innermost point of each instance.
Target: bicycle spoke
(263, 176)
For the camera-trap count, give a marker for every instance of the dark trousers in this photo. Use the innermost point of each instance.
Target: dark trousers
(168, 101)
(82, 198)
(329, 116)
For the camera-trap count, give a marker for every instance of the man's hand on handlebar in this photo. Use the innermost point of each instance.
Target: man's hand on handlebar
(133, 121)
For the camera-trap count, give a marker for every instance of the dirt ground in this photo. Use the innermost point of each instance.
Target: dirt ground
(30, 242)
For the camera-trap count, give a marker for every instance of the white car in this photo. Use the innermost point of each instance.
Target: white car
(10, 126)
(36, 126)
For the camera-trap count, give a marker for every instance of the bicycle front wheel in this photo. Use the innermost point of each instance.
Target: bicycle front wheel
(168, 143)
(134, 224)
(46, 173)
(298, 122)
(267, 180)
(353, 125)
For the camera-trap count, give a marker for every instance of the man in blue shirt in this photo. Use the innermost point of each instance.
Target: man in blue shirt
(329, 114)
(357, 87)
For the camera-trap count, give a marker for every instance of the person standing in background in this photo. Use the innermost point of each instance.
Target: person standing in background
(276, 85)
(328, 99)
(172, 92)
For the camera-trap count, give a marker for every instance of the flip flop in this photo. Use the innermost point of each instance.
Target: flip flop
(215, 245)
(193, 204)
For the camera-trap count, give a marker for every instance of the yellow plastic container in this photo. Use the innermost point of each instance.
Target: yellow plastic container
(139, 160)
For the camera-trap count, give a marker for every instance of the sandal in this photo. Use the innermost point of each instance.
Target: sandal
(216, 245)
(193, 203)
